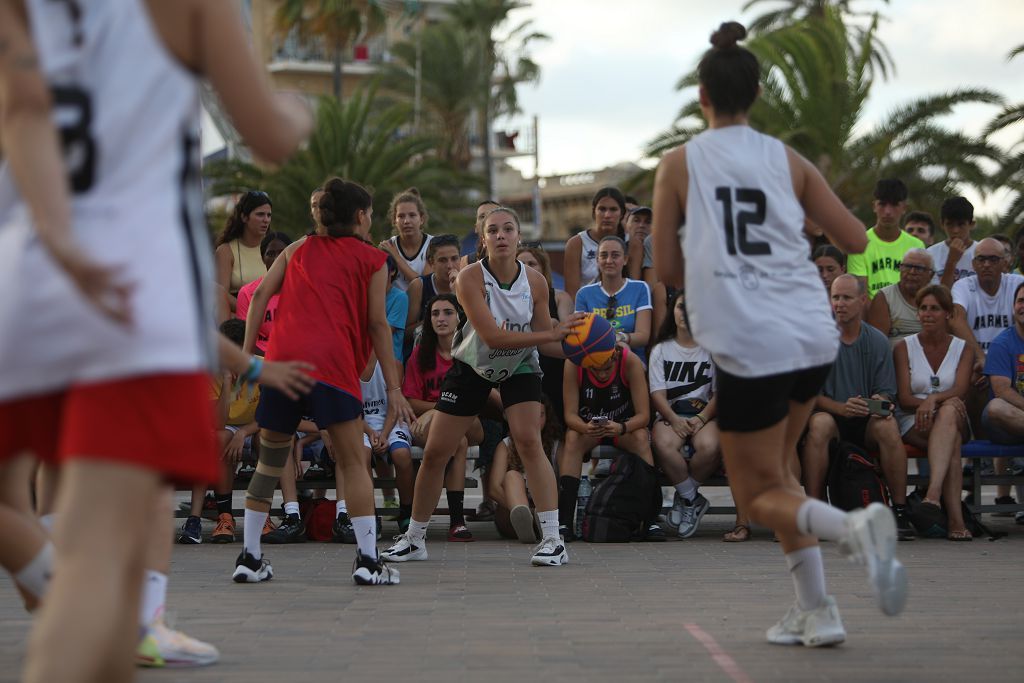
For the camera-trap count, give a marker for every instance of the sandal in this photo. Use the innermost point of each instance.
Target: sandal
(739, 534)
(964, 535)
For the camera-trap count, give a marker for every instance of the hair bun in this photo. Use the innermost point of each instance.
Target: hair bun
(728, 34)
(412, 191)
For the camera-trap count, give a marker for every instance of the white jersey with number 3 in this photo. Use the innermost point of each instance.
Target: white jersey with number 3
(754, 297)
(127, 112)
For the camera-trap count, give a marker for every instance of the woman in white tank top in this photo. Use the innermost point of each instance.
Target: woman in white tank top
(408, 215)
(933, 375)
(754, 302)
(507, 315)
(580, 263)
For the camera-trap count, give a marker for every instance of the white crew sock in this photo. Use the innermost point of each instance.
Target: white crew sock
(366, 534)
(291, 508)
(47, 521)
(417, 530)
(340, 507)
(154, 595)
(252, 531)
(548, 523)
(808, 574)
(819, 519)
(687, 489)
(34, 577)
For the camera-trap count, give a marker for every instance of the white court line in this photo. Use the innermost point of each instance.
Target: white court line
(723, 660)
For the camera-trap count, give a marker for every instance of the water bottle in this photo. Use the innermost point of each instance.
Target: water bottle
(581, 504)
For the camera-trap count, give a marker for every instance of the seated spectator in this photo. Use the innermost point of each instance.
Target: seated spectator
(237, 256)
(831, 264)
(921, 225)
(879, 265)
(443, 260)
(508, 482)
(270, 248)
(625, 303)
(1003, 417)
(863, 368)
(894, 314)
(580, 260)
(292, 528)
(397, 307)
(954, 257)
(236, 415)
(933, 373)
(638, 229)
(560, 306)
(429, 362)
(685, 437)
(608, 404)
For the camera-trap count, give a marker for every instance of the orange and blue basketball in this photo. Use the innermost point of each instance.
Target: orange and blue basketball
(591, 343)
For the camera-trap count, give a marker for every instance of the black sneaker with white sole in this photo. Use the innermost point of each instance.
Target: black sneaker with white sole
(550, 553)
(368, 571)
(291, 530)
(191, 531)
(250, 570)
(343, 531)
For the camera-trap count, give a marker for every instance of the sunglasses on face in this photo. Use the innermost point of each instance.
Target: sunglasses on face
(613, 305)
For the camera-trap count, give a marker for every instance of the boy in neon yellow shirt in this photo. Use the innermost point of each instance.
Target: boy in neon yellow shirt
(879, 265)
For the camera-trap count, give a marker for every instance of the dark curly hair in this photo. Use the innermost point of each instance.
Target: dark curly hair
(234, 226)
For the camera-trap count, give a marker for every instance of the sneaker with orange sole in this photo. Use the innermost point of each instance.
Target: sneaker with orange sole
(268, 526)
(225, 529)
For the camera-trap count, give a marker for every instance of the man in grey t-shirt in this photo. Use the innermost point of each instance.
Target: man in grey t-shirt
(863, 369)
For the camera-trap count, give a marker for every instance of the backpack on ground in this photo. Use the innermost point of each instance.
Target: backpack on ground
(932, 523)
(853, 479)
(624, 503)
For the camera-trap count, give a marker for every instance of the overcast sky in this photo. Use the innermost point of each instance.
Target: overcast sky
(609, 70)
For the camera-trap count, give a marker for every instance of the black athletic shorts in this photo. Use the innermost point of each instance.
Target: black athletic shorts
(751, 404)
(464, 393)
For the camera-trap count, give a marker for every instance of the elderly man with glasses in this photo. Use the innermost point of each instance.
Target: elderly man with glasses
(894, 313)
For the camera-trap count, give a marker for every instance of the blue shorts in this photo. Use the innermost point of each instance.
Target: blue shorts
(325, 404)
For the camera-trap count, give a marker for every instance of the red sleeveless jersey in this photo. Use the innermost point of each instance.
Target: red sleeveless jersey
(322, 315)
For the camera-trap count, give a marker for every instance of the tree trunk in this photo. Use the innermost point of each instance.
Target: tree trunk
(337, 73)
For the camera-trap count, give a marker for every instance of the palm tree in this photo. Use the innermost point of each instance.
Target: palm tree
(359, 140)
(445, 62)
(792, 11)
(337, 22)
(1011, 174)
(814, 91)
(505, 62)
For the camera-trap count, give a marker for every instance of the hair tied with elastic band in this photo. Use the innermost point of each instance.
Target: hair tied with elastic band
(728, 34)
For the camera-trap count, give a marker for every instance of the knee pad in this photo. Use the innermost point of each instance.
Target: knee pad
(273, 457)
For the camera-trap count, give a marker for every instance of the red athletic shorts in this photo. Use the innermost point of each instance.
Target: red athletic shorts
(160, 422)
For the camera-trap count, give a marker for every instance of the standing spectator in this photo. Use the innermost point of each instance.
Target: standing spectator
(862, 369)
(560, 305)
(1003, 417)
(638, 229)
(879, 265)
(894, 314)
(954, 256)
(270, 248)
(625, 303)
(933, 372)
(831, 263)
(580, 260)
(685, 436)
(396, 304)
(921, 225)
(238, 254)
(408, 216)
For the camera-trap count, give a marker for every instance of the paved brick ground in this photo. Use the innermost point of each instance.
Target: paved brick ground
(691, 610)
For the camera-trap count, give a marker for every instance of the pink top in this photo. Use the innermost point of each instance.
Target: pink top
(242, 310)
(425, 386)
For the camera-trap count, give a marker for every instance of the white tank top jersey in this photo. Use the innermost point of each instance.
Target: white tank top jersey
(128, 114)
(375, 401)
(755, 297)
(416, 262)
(923, 379)
(512, 310)
(589, 271)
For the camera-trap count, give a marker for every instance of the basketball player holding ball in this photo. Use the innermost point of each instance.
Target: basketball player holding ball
(508, 320)
(744, 197)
